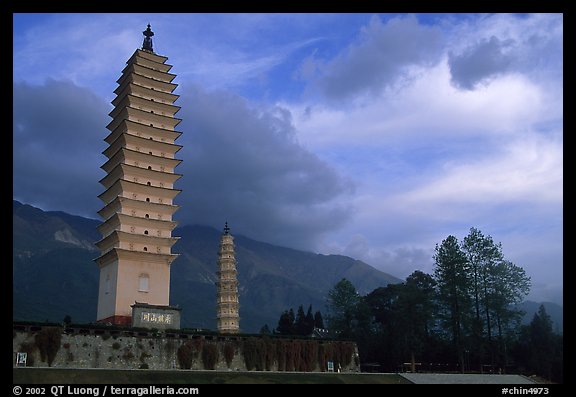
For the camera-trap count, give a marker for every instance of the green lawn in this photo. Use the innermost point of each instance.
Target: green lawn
(110, 376)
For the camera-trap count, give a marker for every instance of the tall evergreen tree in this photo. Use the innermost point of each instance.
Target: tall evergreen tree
(300, 322)
(286, 323)
(309, 321)
(542, 342)
(318, 320)
(483, 257)
(343, 302)
(417, 303)
(452, 273)
(497, 284)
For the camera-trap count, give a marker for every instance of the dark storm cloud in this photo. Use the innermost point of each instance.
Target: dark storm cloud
(245, 166)
(480, 62)
(240, 165)
(58, 136)
(383, 53)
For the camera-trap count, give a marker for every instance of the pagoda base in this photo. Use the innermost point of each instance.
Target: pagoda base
(155, 316)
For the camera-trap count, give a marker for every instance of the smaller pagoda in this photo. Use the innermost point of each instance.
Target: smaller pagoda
(228, 319)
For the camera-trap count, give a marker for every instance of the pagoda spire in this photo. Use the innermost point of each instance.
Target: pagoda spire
(147, 45)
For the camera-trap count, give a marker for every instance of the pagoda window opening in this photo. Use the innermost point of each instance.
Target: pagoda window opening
(107, 285)
(147, 216)
(148, 183)
(143, 283)
(147, 199)
(146, 249)
(149, 167)
(145, 231)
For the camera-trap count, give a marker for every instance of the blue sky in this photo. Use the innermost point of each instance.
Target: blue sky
(369, 135)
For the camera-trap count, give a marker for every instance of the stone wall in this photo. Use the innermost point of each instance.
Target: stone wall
(127, 349)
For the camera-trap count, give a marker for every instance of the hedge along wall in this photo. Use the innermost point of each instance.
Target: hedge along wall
(51, 346)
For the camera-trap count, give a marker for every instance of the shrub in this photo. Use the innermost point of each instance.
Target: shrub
(346, 353)
(325, 353)
(269, 352)
(229, 352)
(309, 355)
(48, 343)
(210, 355)
(281, 349)
(296, 354)
(291, 355)
(115, 345)
(188, 352)
(254, 351)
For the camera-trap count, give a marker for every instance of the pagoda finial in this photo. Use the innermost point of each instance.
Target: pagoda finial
(226, 228)
(147, 45)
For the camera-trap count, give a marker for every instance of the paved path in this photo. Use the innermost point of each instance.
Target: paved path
(466, 379)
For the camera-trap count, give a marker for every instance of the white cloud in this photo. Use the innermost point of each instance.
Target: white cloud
(382, 53)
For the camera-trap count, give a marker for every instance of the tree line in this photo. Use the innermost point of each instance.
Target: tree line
(300, 324)
(462, 317)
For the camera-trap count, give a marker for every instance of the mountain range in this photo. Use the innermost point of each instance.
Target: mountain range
(54, 274)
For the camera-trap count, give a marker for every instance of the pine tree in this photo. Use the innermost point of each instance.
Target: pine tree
(318, 320)
(452, 273)
(300, 322)
(343, 303)
(309, 322)
(286, 323)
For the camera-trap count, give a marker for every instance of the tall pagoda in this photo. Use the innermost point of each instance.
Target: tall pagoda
(135, 249)
(227, 306)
